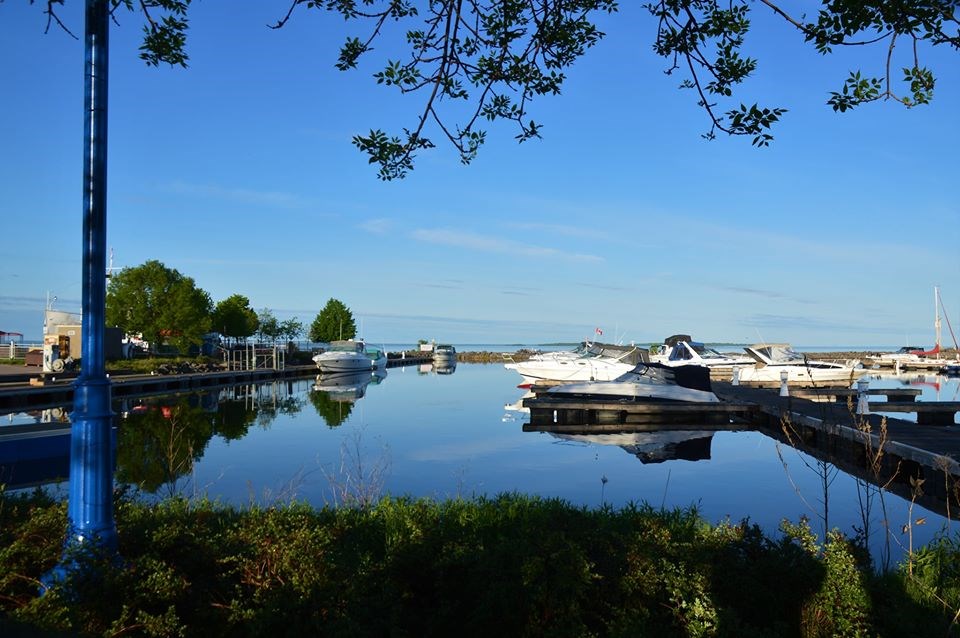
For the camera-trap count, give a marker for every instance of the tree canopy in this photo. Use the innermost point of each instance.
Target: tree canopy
(477, 62)
(159, 303)
(233, 317)
(334, 322)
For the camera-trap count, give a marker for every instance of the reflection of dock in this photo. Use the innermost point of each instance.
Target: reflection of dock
(559, 410)
(823, 422)
(833, 431)
(32, 455)
(60, 392)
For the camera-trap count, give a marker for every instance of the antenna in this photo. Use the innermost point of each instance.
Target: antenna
(111, 267)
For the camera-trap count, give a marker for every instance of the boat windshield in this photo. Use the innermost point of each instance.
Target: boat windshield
(780, 353)
(705, 352)
(346, 346)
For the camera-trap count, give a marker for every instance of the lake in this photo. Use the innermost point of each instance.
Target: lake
(420, 433)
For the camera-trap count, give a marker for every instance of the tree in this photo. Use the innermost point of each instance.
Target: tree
(290, 329)
(269, 328)
(233, 317)
(479, 62)
(159, 303)
(334, 322)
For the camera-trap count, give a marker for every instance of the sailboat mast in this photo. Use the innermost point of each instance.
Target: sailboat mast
(936, 314)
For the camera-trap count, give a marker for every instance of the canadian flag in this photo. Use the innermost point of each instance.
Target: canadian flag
(599, 331)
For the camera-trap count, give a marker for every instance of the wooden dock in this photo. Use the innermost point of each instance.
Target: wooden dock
(823, 422)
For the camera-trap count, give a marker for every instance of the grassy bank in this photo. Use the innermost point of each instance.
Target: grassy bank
(510, 565)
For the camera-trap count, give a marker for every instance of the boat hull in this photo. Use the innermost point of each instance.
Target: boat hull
(534, 371)
(349, 361)
(798, 374)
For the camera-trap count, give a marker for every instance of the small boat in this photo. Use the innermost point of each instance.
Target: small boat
(444, 353)
(774, 359)
(906, 354)
(349, 356)
(648, 382)
(951, 370)
(590, 362)
(662, 352)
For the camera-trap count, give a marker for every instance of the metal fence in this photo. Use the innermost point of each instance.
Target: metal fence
(14, 350)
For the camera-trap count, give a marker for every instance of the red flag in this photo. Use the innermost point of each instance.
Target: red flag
(599, 331)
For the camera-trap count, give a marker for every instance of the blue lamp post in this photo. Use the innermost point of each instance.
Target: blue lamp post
(91, 526)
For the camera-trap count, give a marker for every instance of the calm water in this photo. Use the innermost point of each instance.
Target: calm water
(419, 433)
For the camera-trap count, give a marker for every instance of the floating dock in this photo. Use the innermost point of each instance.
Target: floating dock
(828, 423)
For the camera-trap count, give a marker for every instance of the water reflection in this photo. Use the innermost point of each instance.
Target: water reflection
(161, 441)
(450, 435)
(445, 366)
(651, 447)
(334, 394)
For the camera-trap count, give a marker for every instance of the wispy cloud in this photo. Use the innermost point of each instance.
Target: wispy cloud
(584, 232)
(468, 450)
(799, 321)
(274, 199)
(378, 226)
(766, 294)
(587, 284)
(484, 243)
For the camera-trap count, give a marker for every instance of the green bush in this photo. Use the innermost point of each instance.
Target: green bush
(509, 565)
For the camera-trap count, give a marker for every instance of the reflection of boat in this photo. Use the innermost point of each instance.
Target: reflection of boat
(653, 447)
(773, 359)
(517, 406)
(589, 362)
(445, 367)
(344, 356)
(648, 382)
(348, 386)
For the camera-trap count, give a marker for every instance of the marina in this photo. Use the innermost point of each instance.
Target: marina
(928, 443)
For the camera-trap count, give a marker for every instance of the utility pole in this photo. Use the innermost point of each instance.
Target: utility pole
(91, 526)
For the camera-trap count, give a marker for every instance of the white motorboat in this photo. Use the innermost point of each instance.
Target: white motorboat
(696, 353)
(444, 353)
(663, 352)
(648, 382)
(771, 360)
(906, 354)
(594, 362)
(347, 356)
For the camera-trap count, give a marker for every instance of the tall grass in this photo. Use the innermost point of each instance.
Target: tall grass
(510, 565)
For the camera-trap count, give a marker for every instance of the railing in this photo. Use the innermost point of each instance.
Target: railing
(253, 357)
(14, 350)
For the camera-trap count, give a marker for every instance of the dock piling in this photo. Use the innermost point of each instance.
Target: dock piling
(863, 406)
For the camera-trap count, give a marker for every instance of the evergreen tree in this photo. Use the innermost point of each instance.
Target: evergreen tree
(334, 322)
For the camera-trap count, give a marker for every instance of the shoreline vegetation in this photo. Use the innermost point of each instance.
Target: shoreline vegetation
(511, 564)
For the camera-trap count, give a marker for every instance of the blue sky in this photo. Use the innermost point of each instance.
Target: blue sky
(239, 172)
